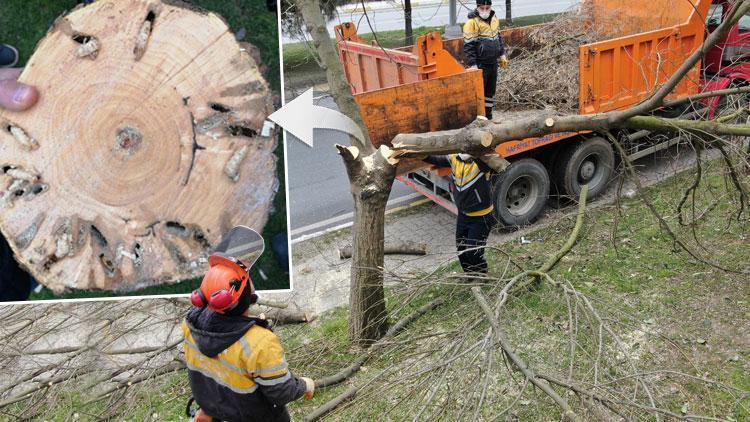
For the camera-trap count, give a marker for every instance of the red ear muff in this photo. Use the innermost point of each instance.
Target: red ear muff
(198, 299)
(221, 299)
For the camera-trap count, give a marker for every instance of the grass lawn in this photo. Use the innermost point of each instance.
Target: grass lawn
(670, 311)
(24, 22)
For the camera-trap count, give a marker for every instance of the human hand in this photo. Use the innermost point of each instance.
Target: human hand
(309, 387)
(504, 61)
(15, 96)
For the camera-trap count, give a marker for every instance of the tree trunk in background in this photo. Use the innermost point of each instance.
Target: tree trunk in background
(145, 146)
(371, 174)
(408, 33)
(508, 14)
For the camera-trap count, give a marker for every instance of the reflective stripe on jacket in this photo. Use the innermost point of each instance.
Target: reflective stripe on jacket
(471, 186)
(248, 380)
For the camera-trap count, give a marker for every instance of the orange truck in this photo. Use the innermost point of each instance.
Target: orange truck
(425, 87)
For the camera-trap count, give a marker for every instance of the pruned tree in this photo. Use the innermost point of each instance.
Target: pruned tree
(371, 170)
(146, 145)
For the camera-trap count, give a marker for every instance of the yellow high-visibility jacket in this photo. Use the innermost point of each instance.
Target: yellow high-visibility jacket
(471, 186)
(483, 43)
(237, 369)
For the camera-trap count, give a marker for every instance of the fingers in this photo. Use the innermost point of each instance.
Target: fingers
(16, 96)
(13, 73)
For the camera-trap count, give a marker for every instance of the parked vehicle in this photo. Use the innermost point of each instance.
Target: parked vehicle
(425, 87)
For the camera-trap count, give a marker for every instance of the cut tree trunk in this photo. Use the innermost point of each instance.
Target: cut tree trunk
(145, 146)
(371, 178)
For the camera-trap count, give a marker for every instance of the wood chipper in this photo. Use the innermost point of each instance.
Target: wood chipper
(425, 87)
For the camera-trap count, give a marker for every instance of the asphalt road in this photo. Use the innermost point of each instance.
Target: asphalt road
(319, 196)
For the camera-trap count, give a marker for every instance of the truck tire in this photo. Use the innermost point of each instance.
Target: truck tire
(589, 161)
(520, 192)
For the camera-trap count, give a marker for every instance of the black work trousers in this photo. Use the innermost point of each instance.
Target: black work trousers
(489, 74)
(471, 237)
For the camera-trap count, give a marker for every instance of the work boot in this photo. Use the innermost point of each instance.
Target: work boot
(8, 55)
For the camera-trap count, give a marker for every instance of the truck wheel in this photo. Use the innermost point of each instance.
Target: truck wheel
(520, 192)
(589, 161)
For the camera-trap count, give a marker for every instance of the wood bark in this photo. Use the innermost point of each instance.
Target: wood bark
(371, 173)
(145, 146)
(400, 248)
(371, 178)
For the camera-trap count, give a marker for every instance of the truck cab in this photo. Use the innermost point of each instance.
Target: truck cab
(729, 57)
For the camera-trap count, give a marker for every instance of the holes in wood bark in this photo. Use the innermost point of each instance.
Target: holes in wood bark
(98, 236)
(81, 38)
(49, 261)
(232, 168)
(177, 229)
(199, 237)
(237, 130)
(108, 265)
(24, 183)
(39, 188)
(89, 45)
(144, 33)
(174, 252)
(64, 239)
(138, 254)
(220, 108)
(27, 142)
(17, 188)
(27, 236)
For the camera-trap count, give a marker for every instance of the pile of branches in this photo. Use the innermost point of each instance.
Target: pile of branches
(483, 354)
(103, 358)
(544, 69)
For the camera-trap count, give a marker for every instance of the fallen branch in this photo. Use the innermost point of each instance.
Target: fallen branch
(573, 238)
(401, 248)
(568, 413)
(336, 401)
(350, 370)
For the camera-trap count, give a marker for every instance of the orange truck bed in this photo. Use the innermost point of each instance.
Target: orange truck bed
(425, 87)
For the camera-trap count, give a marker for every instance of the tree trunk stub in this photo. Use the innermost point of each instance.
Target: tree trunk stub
(371, 178)
(144, 147)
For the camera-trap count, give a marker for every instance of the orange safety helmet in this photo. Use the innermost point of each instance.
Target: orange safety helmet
(223, 284)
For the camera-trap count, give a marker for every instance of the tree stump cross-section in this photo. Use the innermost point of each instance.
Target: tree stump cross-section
(145, 146)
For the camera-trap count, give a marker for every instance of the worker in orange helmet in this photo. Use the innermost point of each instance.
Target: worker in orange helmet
(235, 362)
(483, 46)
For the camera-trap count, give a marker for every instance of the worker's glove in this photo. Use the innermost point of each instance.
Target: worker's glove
(473, 67)
(309, 387)
(504, 61)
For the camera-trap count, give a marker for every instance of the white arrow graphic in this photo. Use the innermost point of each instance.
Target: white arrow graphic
(300, 116)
